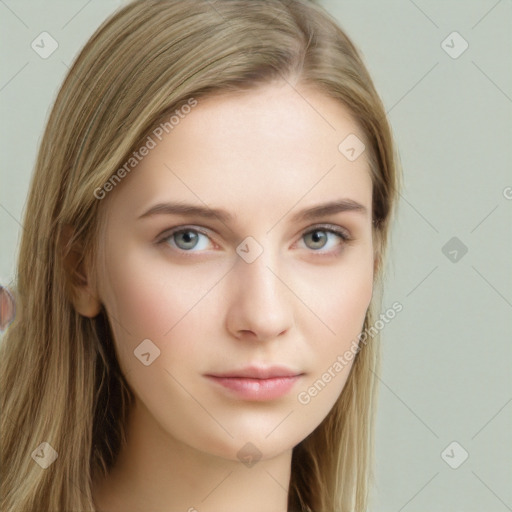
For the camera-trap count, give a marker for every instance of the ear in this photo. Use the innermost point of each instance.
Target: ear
(80, 289)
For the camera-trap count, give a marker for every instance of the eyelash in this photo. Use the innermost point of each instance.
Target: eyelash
(328, 228)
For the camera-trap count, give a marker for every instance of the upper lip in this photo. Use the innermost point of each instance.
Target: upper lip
(259, 372)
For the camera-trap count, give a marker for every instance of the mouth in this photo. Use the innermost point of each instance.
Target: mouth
(257, 383)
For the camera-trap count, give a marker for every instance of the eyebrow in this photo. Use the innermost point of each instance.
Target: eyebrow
(314, 212)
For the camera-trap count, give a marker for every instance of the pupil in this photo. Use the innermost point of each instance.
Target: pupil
(317, 236)
(188, 237)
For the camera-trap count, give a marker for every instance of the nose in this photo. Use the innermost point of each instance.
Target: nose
(260, 305)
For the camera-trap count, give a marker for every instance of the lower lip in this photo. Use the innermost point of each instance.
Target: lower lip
(257, 389)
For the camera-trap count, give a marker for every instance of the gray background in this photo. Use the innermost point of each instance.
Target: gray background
(447, 355)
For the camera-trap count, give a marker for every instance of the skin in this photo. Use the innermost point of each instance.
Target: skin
(262, 155)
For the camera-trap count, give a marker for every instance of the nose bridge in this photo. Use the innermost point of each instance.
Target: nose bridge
(260, 282)
(261, 303)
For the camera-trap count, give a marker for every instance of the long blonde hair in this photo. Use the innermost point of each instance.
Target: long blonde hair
(60, 380)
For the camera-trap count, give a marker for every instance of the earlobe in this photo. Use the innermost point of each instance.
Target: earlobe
(80, 291)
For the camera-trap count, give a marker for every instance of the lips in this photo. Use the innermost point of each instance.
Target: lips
(259, 372)
(256, 383)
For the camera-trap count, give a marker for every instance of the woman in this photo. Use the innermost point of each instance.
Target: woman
(200, 267)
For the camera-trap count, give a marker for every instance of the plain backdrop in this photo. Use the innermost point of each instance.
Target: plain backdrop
(444, 72)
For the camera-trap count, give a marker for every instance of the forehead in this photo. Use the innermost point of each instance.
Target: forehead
(267, 148)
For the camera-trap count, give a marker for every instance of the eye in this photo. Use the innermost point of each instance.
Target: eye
(186, 239)
(322, 237)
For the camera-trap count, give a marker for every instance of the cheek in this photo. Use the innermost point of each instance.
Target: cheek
(151, 299)
(338, 299)
(350, 301)
(341, 302)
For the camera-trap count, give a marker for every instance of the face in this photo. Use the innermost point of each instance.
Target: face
(252, 281)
